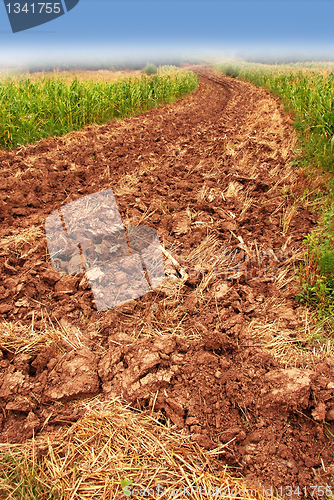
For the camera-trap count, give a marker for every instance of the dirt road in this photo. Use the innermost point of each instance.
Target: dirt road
(212, 175)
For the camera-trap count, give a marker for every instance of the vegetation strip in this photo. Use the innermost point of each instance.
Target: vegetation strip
(32, 110)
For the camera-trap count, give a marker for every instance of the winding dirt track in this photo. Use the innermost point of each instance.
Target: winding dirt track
(212, 175)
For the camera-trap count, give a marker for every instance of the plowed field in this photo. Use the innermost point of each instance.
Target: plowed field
(220, 347)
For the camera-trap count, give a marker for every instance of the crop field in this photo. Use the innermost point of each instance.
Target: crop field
(218, 382)
(47, 107)
(101, 75)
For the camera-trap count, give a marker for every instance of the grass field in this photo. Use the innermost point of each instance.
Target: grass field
(32, 109)
(307, 91)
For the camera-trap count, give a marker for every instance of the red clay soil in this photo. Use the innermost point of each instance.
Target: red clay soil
(211, 376)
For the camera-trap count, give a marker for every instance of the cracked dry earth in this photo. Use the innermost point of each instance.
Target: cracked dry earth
(221, 352)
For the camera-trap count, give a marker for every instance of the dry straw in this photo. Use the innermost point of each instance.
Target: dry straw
(24, 339)
(114, 445)
(23, 236)
(287, 345)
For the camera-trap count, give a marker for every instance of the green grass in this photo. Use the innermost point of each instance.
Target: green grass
(19, 480)
(308, 92)
(30, 111)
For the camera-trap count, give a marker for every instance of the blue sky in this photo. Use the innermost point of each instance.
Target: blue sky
(110, 29)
